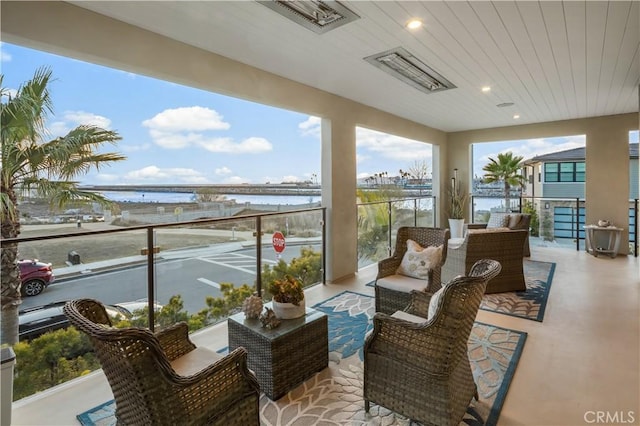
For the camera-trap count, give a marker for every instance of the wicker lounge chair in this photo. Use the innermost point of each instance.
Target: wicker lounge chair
(393, 291)
(416, 362)
(162, 378)
(504, 245)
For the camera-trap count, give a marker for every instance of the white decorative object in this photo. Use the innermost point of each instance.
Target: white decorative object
(288, 310)
(603, 223)
(456, 227)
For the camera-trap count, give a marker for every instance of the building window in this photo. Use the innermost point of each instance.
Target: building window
(564, 172)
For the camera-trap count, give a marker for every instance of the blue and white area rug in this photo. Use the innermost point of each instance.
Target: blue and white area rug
(334, 396)
(529, 304)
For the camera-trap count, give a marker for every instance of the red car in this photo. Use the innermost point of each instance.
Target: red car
(35, 276)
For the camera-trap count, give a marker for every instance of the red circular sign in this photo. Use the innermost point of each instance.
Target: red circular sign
(278, 242)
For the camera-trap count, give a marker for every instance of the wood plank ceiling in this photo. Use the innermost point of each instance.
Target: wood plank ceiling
(554, 60)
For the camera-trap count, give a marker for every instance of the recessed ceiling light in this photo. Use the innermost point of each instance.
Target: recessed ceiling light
(486, 89)
(516, 116)
(414, 24)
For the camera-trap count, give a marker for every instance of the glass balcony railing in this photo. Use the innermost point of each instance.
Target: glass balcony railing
(156, 275)
(378, 223)
(557, 221)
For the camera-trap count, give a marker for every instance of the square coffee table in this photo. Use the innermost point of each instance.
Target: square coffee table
(286, 356)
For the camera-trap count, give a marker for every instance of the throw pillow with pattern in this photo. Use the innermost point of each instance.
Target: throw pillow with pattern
(498, 220)
(418, 260)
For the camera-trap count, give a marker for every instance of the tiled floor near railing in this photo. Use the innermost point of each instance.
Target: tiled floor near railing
(581, 362)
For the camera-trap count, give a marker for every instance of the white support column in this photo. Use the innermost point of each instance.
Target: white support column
(339, 197)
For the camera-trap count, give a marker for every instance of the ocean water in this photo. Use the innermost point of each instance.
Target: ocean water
(184, 197)
(480, 204)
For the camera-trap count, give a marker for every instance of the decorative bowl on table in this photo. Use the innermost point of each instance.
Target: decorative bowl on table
(604, 223)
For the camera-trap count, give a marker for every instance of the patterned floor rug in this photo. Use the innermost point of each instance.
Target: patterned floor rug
(334, 396)
(529, 304)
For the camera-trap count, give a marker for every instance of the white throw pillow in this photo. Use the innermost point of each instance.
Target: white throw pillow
(433, 303)
(418, 260)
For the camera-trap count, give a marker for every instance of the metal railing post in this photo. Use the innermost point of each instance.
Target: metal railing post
(151, 278)
(435, 216)
(389, 227)
(577, 224)
(324, 246)
(635, 227)
(259, 255)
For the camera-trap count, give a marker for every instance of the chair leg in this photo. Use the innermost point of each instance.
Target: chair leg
(366, 405)
(475, 395)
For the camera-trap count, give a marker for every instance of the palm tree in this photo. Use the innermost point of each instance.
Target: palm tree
(34, 166)
(507, 170)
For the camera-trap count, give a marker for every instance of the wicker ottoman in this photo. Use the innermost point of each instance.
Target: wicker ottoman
(286, 356)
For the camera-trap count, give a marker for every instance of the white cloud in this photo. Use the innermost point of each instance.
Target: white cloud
(135, 148)
(174, 140)
(235, 180)
(186, 119)
(4, 55)
(189, 126)
(58, 128)
(6, 93)
(156, 174)
(363, 175)
(291, 178)
(391, 146)
(223, 171)
(311, 127)
(253, 145)
(72, 119)
(76, 118)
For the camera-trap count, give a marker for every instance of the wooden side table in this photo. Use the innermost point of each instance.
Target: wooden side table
(591, 236)
(286, 356)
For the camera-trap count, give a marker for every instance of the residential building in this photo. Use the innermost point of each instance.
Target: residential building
(556, 180)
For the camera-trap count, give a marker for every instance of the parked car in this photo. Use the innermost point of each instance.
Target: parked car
(34, 322)
(35, 276)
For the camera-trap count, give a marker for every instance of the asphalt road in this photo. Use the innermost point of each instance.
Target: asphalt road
(192, 277)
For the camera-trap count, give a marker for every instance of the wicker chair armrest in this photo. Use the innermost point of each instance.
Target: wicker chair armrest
(388, 266)
(419, 304)
(476, 226)
(175, 341)
(411, 343)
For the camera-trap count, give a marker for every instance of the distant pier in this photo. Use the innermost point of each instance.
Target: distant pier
(263, 189)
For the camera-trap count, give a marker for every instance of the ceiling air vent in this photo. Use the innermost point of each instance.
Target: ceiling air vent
(403, 65)
(315, 15)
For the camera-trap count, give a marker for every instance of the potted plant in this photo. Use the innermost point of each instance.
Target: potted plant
(288, 297)
(457, 206)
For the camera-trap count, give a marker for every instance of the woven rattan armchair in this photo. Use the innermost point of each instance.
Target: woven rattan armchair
(416, 363)
(504, 245)
(393, 291)
(163, 378)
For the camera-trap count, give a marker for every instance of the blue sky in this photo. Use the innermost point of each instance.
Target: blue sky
(181, 135)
